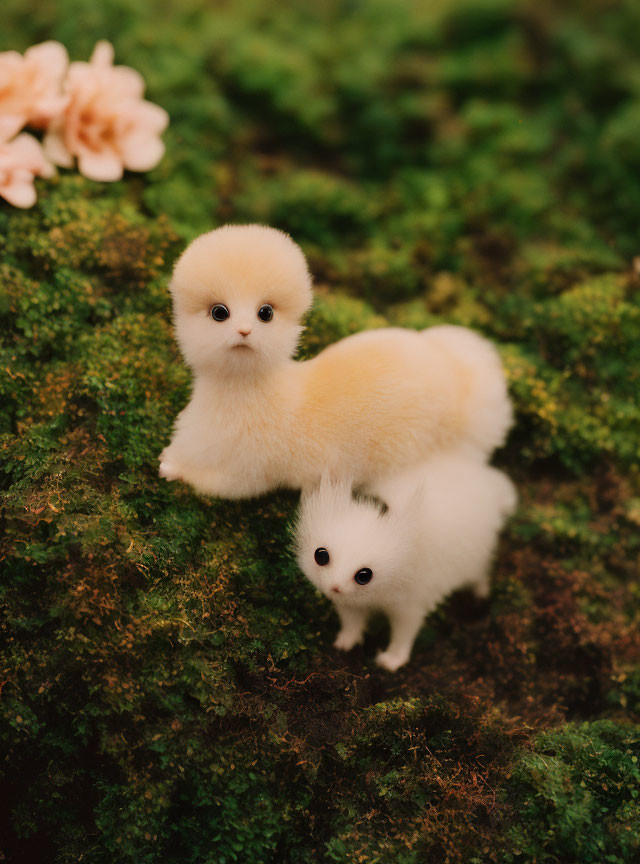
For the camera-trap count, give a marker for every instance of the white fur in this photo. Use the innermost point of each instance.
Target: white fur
(369, 404)
(438, 534)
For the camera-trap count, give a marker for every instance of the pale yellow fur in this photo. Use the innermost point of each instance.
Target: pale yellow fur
(258, 420)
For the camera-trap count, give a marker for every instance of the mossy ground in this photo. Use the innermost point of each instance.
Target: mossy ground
(169, 692)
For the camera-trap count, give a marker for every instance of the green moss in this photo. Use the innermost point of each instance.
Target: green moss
(336, 315)
(315, 207)
(577, 796)
(169, 692)
(625, 692)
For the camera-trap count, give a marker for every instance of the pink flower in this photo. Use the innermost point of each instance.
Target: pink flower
(20, 160)
(107, 124)
(31, 87)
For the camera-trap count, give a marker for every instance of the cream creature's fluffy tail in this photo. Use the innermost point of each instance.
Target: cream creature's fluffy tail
(507, 496)
(489, 411)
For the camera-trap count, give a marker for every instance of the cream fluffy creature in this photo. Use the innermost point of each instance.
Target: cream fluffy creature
(373, 402)
(438, 534)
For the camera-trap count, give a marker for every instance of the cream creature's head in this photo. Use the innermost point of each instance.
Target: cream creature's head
(239, 293)
(353, 550)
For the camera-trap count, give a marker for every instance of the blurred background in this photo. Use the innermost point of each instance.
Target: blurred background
(169, 692)
(408, 133)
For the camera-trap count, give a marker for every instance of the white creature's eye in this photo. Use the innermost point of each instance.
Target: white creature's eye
(364, 576)
(219, 312)
(321, 555)
(265, 313)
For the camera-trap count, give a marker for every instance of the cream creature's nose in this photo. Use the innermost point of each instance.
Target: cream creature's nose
(244, 332)
(335, 589)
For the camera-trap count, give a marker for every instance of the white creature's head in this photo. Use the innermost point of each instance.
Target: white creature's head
(239, 294)
(351, 549)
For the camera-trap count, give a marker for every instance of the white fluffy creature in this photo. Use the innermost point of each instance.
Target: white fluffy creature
(373, 402)
(438, 534)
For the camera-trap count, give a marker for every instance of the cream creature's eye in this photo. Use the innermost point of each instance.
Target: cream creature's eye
(265, 313)
(219, 312)
(364, 576)
(321, 555)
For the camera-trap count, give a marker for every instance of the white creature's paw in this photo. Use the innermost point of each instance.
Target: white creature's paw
(345, 640)
(168, 470)
(391, 660)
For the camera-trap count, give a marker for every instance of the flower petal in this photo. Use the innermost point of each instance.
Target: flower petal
(55, 150)
(10, 58)
(46, 109)
(26, 156)
(102, 54)
(51, 57)
(142, 152)
(105, 166)
(10, 125)
(19, 192)
(152, 117)
(127, 82)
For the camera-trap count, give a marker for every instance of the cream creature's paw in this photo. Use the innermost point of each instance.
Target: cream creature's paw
(391, 660)
(345, 640)
(482, 589)
(168, 470)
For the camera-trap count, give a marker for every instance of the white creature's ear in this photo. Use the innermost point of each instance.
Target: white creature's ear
(411, 506)
(334, 488)
(343, 485)
(307, 494)
(324, 498)
(318, 504)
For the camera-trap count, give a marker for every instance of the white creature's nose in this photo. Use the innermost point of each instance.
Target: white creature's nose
(244, 333)
(335, 589)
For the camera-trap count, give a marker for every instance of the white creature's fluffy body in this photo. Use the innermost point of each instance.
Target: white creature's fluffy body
(438, 534)
(371, 403)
